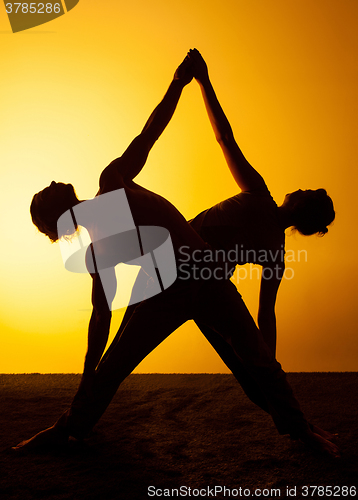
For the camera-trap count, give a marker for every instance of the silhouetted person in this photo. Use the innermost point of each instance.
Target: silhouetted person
(251, 226)
(214, 303)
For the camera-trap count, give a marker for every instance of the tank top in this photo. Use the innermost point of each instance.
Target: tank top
(246, 227)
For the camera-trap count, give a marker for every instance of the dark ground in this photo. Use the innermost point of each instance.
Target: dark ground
(168, 431)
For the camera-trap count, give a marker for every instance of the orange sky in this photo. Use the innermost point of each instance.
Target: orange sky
(75, 92)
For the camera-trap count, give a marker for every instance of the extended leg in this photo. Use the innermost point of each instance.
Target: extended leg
(221, 308)
(150, 323)
(227, 354)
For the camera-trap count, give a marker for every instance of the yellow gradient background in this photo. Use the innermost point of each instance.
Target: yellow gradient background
(76, 91)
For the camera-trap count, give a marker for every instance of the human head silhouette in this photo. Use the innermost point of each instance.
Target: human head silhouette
(49, 204)
(310, 211)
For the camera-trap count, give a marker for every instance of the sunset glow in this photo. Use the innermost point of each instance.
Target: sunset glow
(76, 91)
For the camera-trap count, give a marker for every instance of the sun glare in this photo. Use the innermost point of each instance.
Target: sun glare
(76, 92)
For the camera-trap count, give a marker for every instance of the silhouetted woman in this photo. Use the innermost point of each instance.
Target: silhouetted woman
(250, 228)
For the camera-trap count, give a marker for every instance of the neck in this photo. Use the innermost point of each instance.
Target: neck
(284, 217)
(80, 215)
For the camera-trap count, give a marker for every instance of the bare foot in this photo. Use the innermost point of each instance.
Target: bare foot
(51, 437)
(325, 434)
(319, 443)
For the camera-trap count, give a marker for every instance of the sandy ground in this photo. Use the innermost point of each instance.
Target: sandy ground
(172, 431)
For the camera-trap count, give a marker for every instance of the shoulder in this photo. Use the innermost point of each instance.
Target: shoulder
(256, 199)
(110, 178)
(260, 192)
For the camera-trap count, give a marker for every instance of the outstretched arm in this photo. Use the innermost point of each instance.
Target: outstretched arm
(266, 319)
(98, 330)
(133, 159)
(247, 178)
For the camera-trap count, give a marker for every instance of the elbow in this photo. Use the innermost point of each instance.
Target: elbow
(225, 139)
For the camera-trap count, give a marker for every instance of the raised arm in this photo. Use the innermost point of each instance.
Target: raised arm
(133, 159)
(247, 178)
